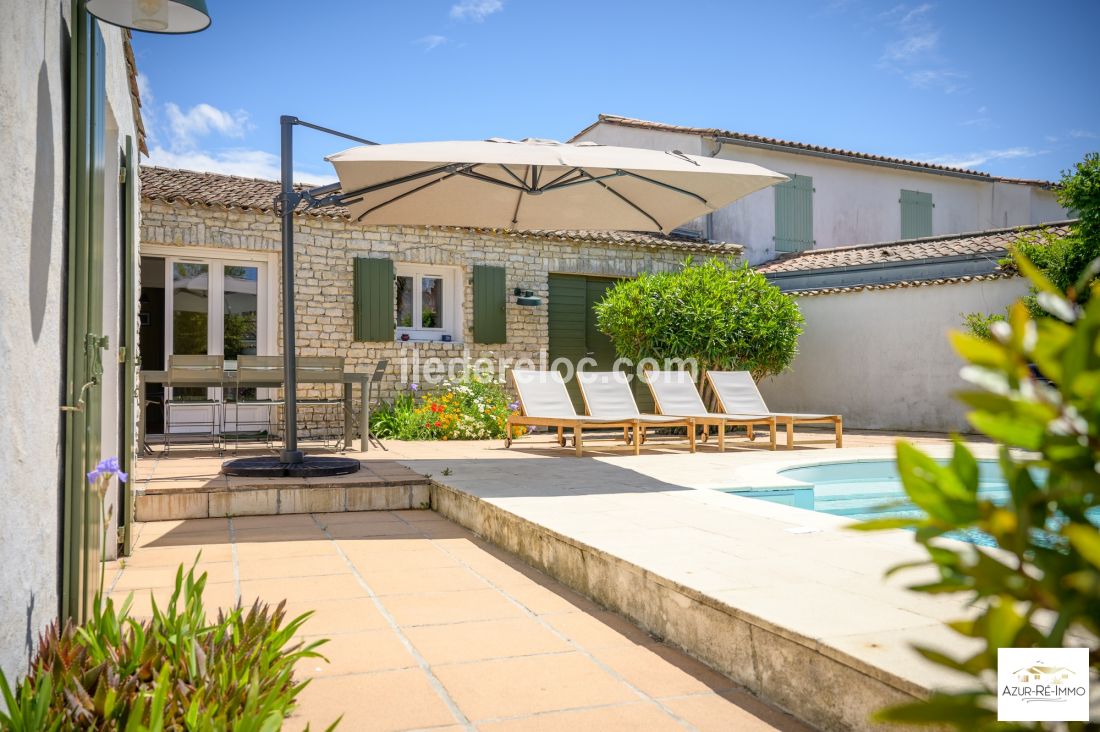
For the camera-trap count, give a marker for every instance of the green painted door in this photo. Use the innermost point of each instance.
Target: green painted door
(127, 330)
(82, 527)
(574, 335)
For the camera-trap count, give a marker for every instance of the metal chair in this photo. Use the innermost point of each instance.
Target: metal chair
(201, 372)
(321, 371)
(373, 397)
(253, 372)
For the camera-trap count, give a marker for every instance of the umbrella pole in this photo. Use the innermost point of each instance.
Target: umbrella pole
(290, 453)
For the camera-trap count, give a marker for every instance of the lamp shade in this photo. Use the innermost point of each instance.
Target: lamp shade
(152, 16)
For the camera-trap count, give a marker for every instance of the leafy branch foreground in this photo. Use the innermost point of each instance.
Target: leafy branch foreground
(172, 672)
(1040, 586)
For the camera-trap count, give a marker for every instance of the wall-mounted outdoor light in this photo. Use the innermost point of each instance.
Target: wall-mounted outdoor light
(527, 298)
(152, 16)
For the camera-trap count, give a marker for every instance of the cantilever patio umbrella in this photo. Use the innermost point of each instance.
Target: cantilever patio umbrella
(538, 184)
(494, 184)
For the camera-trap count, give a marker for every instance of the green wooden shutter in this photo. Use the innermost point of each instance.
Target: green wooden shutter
(794, 214)
(374, 299)
(489, 309)
(567, 324)
(916, 214)
(82, 532)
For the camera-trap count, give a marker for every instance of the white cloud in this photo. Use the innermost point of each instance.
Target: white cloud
(431, 42)
(915, 53)
(981, 119)
(1083, 134)
(201, 120)
(977, 158)
(475, 10)
(235, 161)
(174, 143)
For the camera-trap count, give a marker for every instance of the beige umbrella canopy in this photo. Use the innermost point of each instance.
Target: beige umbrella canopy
(538, 184)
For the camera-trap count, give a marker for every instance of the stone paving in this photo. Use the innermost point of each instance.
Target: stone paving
(432, 628)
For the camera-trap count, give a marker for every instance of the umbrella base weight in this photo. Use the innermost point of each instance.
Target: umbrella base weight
(273, 467)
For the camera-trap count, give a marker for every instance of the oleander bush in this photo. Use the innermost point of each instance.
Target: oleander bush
(715, 314)
(476, 407)
(1062, 260)
(1039, 584)
(176, 671)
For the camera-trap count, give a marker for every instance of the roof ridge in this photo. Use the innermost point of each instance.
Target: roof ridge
(751, 137)
(925, 239)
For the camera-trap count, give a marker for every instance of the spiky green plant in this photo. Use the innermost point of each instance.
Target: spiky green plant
(175, 671)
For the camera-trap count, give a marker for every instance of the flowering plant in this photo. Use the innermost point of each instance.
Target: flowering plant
(476, 407)
(99, 479)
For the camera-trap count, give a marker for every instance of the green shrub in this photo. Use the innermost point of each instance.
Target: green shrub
(721, 316)
(1062, 260)
(474, 408)
(1042, 582)
(172, 672)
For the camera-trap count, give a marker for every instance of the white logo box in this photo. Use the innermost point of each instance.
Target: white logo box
(1043, 684)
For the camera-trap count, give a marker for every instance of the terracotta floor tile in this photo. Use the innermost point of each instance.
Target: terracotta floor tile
(403, 581)
(172, 556)
(543, 600)
(311, 589)
(421, 516)
(620, 718)
(356, 517)
(599, 629)
(374, 559)
(278, 533)
(661, 671)
(528, 685)
(353, 653)
(215, 595)
(243, 523)
(361, 529)
(333, 617)
(250, 550)
(289, 567)
(387, 701)
(140, 578)
(436, 608)
(440, 644)
(732, 711)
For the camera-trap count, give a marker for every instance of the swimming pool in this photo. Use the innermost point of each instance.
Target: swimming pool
(867, 489)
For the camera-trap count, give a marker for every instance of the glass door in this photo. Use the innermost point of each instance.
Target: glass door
(216, 306)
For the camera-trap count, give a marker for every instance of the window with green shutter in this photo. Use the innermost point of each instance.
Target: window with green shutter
(489, 304)
(794, 214)
(374, 299)
(916, 214)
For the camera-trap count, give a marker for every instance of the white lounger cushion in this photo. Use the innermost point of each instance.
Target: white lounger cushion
(738, 393)
(675, 393)
(608, 395)
(543, 394)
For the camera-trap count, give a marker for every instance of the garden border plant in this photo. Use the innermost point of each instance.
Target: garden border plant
(1040, 586)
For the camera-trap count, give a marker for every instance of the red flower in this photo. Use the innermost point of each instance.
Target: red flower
(438, 423)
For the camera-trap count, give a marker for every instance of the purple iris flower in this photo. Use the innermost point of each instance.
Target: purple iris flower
(107, 467)
(514, 406)
(414, 387)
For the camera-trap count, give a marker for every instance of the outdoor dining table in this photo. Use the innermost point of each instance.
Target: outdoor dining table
(229, 378)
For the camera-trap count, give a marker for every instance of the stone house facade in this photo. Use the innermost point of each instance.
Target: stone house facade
(197, 217)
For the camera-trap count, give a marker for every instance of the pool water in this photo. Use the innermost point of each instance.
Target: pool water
(869, 489)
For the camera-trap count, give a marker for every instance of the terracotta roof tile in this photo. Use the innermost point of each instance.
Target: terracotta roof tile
(993, 242)
(905, 283)
(258, 195)
(796, 146)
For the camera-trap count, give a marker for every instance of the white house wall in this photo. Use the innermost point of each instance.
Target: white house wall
(882, 359)
(854, 202)
(33, 148)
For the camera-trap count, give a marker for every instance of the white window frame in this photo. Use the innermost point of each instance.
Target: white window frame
(452, 301)
(266, 317)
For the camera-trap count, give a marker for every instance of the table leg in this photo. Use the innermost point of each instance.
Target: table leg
(364, 414)
(142, 448)
(348, 426)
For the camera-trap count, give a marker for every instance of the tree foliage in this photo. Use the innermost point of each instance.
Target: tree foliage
(1040, 587)
(722, 316)
(1061, 259)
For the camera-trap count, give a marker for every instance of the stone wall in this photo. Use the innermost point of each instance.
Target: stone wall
(325, 248)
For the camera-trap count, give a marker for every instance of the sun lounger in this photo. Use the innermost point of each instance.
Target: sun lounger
(737, 394)
(544, 402)
(607, 395)
(675, 394)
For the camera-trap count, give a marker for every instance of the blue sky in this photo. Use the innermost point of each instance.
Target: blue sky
(1005, 87)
